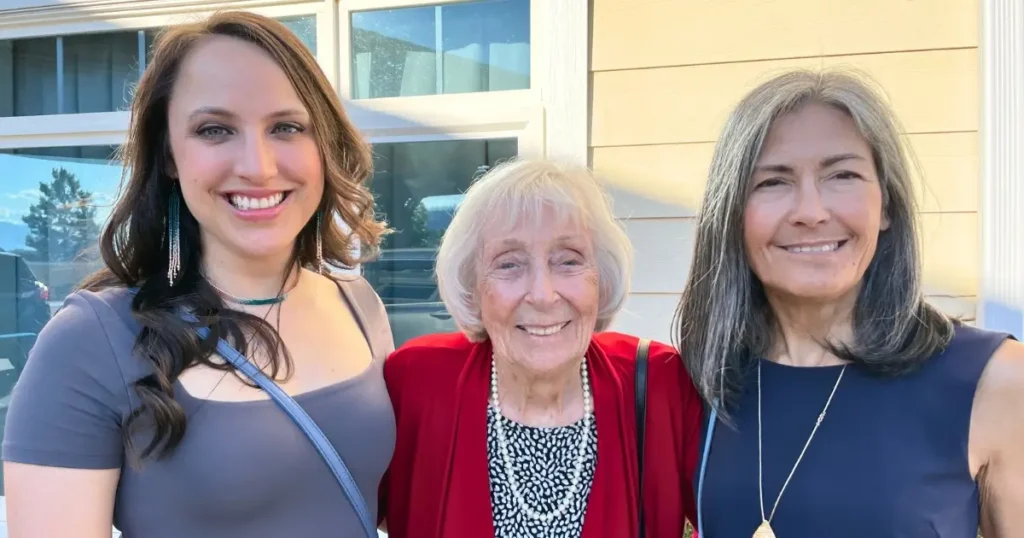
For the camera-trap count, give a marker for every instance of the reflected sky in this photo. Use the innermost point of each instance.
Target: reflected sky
(20, 176)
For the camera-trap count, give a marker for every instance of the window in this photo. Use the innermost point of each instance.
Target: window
(454, 48)
(52, 204)
(418, 187)
(69, 74)
(305, 28)
(84, 73)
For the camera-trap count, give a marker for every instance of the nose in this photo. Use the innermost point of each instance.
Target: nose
(542, 289)
(256, 161)
(809, 207)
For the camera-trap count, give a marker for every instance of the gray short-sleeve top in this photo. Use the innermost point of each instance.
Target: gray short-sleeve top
(243, 469)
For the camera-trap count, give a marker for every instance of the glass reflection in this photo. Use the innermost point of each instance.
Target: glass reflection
(481, 46)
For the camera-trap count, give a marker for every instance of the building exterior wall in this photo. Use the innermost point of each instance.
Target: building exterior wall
(664, 76)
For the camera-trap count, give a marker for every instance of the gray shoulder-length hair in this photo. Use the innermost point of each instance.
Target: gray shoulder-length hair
(512, 195)
(723, 319)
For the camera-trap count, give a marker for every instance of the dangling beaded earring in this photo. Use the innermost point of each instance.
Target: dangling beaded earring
(173, 237)
(319, 245)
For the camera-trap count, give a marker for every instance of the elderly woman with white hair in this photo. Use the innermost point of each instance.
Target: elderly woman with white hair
(525, 422)
(843, 405)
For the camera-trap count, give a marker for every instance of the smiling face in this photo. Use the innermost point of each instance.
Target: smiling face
(813, 217)
(243, 149)
(537, 288)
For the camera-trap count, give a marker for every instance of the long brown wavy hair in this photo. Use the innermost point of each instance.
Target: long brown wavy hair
(134, 243)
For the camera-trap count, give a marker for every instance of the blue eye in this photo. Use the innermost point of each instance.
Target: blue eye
(289, 128)
(212, 131)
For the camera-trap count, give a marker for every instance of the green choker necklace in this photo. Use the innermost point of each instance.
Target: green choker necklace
(249, 302)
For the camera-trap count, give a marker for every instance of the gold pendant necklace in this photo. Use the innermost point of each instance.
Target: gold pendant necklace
(764, 530)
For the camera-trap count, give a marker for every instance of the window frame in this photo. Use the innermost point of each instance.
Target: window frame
(552, 114)
(101, 128)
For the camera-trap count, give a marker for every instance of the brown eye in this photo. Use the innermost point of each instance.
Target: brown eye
(773, 182)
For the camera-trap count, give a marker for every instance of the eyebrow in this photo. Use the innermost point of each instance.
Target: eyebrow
(825, 163)
(225, 113)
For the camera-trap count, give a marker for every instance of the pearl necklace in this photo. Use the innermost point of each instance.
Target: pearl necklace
(574, 487)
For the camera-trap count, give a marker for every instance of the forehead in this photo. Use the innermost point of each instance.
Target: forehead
(548, 227)
(224, 72)
(812, 132)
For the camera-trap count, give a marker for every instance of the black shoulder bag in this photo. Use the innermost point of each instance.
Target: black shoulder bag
(641, 419)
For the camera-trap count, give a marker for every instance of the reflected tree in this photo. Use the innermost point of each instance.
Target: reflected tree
(62, 225)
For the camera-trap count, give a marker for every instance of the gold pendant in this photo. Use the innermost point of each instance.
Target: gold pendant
(764, 530)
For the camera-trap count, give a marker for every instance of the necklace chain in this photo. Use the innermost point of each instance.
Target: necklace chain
(506, 459)
(760, 464)
(277, 299)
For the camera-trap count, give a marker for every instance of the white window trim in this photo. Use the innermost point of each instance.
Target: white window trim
(553, 112)
(113, 15)
(1001, 305)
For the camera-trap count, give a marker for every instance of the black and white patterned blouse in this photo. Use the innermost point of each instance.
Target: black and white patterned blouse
(543, 461)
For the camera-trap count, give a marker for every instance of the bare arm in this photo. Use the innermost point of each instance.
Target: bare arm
(997, 442)
(63, 447)
(56, 501)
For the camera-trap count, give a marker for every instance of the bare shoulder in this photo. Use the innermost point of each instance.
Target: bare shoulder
(1002, 382)
(997, 433)
(997, 420)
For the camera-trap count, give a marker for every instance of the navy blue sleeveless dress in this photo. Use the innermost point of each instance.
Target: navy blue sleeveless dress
(889, 460)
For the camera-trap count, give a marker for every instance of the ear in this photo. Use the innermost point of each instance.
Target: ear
(885, 222)
(169, 167)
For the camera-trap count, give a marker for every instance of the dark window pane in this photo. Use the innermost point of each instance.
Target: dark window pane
(52, 204)
(68, 75)
(418, 187)
(451, 48)
(28, 77)
(100, 71)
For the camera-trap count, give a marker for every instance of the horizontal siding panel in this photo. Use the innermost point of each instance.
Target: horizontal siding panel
(932, 91)
(950, 256)
(654, 181)
(668, 180)
(657, 33)
(662, 252)
(648, 316)
(960, 307)
(950, 171)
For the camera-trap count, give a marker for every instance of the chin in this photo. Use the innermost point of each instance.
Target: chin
(824, 293)
(263, 248)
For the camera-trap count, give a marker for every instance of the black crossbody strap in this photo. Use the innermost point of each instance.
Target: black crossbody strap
(642, 351)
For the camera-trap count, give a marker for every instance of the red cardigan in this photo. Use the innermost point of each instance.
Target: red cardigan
(437, 485)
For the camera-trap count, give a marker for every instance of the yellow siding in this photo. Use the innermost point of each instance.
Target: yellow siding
(932, 91)
(666, 73)
(631, 34)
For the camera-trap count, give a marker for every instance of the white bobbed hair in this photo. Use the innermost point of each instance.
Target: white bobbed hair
(514, 194)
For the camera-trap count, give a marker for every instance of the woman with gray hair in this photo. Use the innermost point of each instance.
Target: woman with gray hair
(841, 403)
(525, 423)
